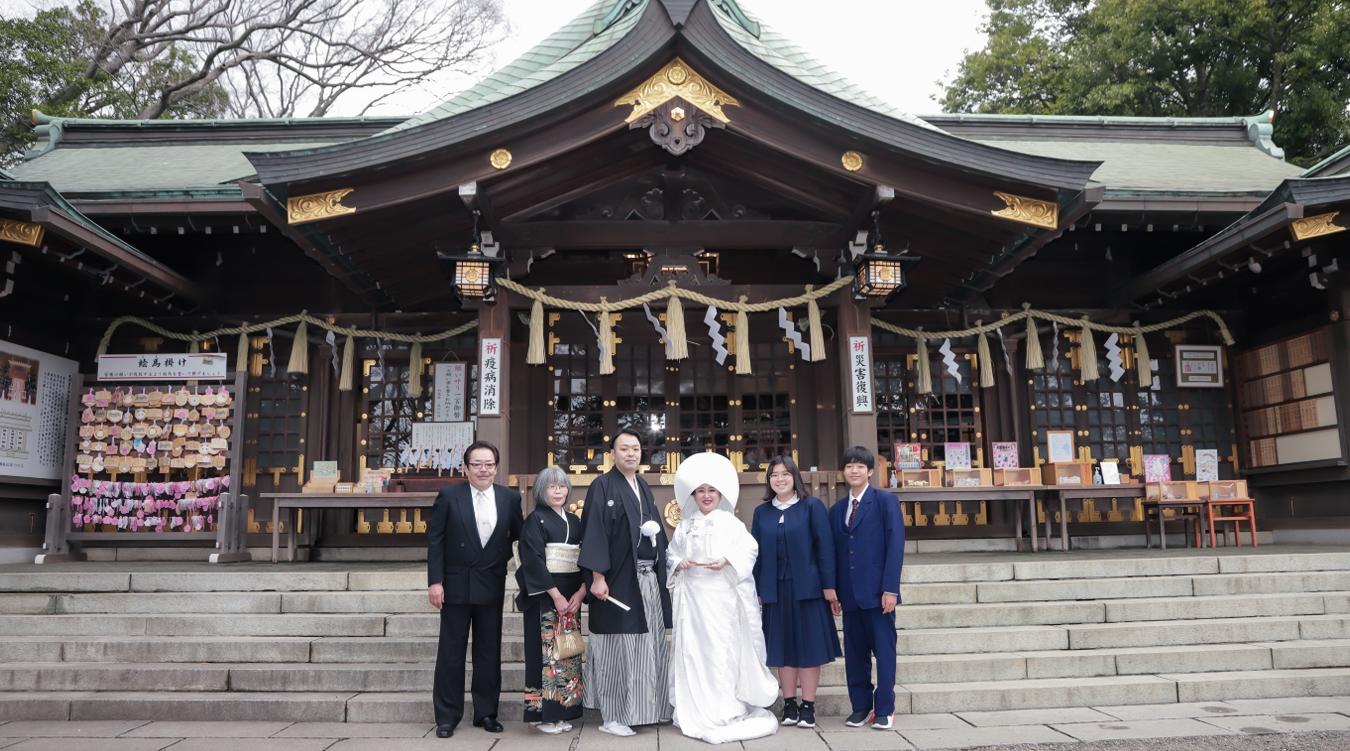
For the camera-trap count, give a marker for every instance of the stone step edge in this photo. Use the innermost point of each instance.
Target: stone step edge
(159, 699)
(122, 581)
(1106, 602)
(508, 637)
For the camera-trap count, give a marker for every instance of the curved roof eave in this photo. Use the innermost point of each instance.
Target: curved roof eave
(713, 46)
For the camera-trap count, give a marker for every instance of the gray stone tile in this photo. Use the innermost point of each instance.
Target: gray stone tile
(669, 738)
(355, 730)
(207, 729)
(905, 722)
(872, 740)
(786, 739)
(67, 729)
(254, 744)
(1170, 711)
(972, 737)
(1034, 716)
(1176, 728)
(470, 743)
(1293, 705)
(1287, 723)
(7, 742)
(92, 744)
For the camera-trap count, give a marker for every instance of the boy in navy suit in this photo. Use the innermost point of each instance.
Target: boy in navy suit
(869, 544)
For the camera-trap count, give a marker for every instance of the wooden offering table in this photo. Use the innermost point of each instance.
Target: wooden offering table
(289, 502)
(1080, 492)
(1027, 493)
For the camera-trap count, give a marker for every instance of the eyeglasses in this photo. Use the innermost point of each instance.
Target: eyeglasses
(482, 465)
(781, 476)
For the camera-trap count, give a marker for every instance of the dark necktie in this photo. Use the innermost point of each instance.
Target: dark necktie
(853, 512)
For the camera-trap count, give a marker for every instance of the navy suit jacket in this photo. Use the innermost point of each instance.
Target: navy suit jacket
(869, 555)
(810, 549)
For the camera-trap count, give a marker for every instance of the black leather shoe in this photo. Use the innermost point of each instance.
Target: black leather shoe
(489, 724)
(445, 731)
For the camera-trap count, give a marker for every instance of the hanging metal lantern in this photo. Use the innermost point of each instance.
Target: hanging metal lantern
(472, 274)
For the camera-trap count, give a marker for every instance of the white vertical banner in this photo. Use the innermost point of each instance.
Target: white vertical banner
(451, 380)
(860, 373)
(490, 377)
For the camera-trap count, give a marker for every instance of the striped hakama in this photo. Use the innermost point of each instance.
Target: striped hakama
(627, 675)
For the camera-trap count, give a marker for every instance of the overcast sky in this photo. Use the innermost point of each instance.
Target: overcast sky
(897, 49)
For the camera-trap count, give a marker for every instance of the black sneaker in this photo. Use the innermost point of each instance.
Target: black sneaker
(883, 723)
(808, 715)
(858, 719)
(790, 716)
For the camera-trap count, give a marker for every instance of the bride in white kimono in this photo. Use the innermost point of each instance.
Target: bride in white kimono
(719, 684)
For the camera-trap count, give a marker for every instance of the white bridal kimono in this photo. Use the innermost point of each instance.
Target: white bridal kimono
(719, 684)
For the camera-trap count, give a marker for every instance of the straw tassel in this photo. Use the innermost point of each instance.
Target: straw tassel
(679, 343)
(415, 370)
(195, 346)
(241, 356)
(1087, 354)
(348, 364)
(299, 362)
(534, 355)
(925, 375)
(743, 340)
(1141, 358)
(606, 341)
(1035, 360)
(813, 327)
(986, 362)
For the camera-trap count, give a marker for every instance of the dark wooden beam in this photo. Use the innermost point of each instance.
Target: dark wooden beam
(273, 212)
(1210, 251)
(713, 235)
(1019, 251)
(101, 207)
(140, 264)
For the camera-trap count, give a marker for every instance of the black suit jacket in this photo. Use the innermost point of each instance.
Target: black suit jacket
(472, 574)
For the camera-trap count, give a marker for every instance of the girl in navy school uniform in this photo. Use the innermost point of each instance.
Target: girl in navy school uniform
(794, 575)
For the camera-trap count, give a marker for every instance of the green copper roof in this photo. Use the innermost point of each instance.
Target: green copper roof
(563, 50)
(177, 167)
(605, 22)
(1132, 166)
(1336, 164)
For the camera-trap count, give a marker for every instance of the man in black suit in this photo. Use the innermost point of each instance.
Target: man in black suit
(468, 545)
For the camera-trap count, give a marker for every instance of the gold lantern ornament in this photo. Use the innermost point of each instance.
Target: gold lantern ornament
(472, 273)
(877, 273)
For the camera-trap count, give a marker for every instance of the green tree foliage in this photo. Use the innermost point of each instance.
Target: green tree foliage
(1178, 58)
(45, 63)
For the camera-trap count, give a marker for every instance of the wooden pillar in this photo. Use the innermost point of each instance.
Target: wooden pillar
(855, 319)
(494, 322)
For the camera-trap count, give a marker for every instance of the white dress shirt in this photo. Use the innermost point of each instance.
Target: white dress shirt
(484, 512)
(848, 512)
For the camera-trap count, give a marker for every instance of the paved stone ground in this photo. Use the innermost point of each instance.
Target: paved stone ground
(1298, 724)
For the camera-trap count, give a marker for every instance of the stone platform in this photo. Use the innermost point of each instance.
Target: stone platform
(978, 633)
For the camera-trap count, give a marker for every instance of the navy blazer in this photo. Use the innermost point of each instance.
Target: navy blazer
(870, 554)
(471, 573)
(810, 549)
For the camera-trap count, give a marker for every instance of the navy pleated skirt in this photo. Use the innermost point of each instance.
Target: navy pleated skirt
(799, 633)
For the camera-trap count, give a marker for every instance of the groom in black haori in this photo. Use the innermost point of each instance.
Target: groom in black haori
(623, 547)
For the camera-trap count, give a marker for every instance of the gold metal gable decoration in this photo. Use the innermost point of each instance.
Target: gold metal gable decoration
(23, 233)
(317, 206)
(1316, 226)
(1031, 211)
(677, 79)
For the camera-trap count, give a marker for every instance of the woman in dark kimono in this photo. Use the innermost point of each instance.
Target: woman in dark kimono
(551, 590)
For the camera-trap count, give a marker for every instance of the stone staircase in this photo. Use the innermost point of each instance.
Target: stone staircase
(978, 632)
